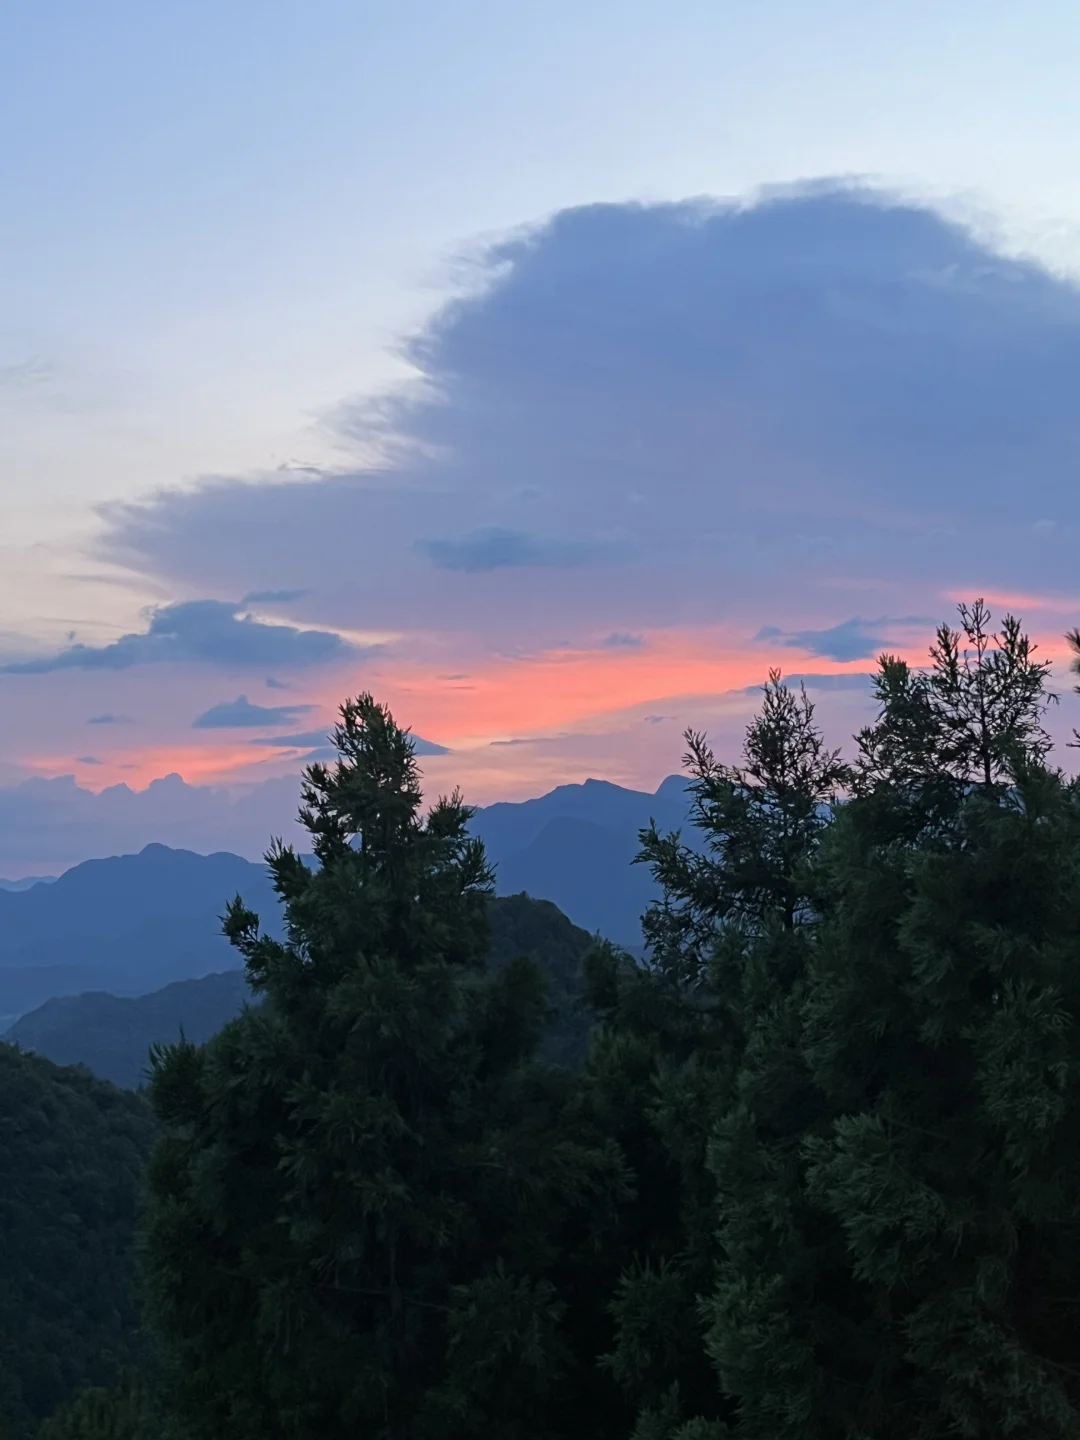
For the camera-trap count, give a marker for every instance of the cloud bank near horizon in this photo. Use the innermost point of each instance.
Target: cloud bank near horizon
(47, 825)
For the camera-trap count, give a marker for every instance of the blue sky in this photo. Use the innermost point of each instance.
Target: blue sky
(231, 231)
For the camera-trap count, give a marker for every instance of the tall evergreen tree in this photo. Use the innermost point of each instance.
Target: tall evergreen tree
(973, 716)
(942, 1026)
(724, 961)
(900, 1265)
(368, 1206)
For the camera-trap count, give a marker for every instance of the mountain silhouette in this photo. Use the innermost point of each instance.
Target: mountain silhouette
(111, 1035)
(131, 925)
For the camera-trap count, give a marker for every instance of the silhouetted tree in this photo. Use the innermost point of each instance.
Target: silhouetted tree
(682, 1034)
(897, 1229)
(369, 1204)
(973, 716)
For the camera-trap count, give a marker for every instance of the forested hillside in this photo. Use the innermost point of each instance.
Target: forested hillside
(124, 926)
(72, 1157)
(113, 1035)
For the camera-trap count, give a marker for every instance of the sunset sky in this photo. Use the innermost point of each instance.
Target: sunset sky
(551, 371)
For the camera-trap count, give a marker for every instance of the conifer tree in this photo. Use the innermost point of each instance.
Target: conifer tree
(724, 962)
(973, 716)
(897, 1233)
(942, 1027)
(368, 1203)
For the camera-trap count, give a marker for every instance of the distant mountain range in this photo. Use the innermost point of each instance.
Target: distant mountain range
(127, 925)
(112, 1035)
(133, 924)
(575, 846)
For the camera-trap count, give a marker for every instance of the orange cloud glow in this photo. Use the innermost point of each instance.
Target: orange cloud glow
(468, 707)
(1003, 602)
(475, 708)
(560, 689)
(197, 764)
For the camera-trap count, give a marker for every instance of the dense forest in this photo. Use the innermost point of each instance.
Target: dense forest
(72, 1153)
(810, 1169)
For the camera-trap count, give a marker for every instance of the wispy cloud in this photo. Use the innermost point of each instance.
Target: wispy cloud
(25, 373)
(109, 719)
(852, 639)
(850, 680)
(273, 597)
(208, 632)
(305, 740)
(493, 548)
(320, 740)
(242, 714)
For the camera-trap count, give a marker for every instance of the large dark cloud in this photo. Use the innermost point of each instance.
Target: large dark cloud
(734, 405)
(209, 632)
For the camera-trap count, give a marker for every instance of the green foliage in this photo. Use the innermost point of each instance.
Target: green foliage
(137, 1407)
(863, 1062)
(120, 1412)
(942, 1025)
(973, 716)
(369, 1204)
(759, 821)
(725, 955)
(72, 1152)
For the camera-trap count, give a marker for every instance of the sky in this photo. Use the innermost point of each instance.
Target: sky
(552, 372)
